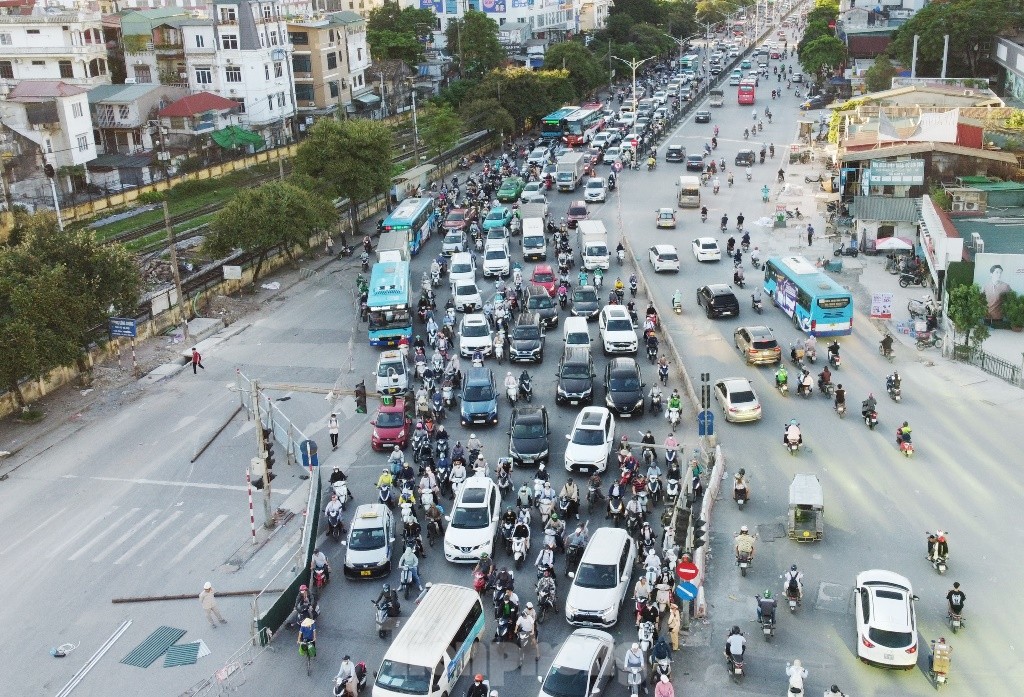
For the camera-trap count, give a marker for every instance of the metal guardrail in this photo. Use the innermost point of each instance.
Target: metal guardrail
(993, 365)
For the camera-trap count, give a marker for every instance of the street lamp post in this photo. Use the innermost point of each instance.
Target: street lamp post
(681, 43)
(633, 65)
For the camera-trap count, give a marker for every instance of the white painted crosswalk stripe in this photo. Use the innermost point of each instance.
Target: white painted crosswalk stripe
(69, 539)
(194, 542)
(147, 537)
(30, 535)
(125, 537)
(96, 540)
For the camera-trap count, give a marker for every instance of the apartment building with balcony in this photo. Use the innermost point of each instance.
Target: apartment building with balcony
(52, 41)
(125, 116)
(329, 62)
(153, 44)
(243, 54)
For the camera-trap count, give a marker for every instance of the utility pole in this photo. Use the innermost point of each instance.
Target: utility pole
(633, 65)
(174, 269)
(268, 519)
(611, 71)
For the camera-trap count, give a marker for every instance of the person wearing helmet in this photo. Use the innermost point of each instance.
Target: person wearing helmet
(735, 644)
(385, 478)
(571, 493)
(478, 688)
(389, 596)
(745, 543)
(634, 658)
(664, 688)
(337, 475)
(766, 605)
(304, 606)
(793, 582)
(741, 486)
(557, 526)
(319, 560)
(526, 632)
(511, 385)
(485, 566)
(474, 444)
(546, 558)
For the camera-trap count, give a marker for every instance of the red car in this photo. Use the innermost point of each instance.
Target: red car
(458, 219)
(390, 426)
(577, 212)
(774, 54)
(544, 276)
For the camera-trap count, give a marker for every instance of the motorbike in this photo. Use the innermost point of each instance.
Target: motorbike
(671, 491)
(743, 561)
(663, 373)
(652, 353)
(526, 390)
(518, 552)
(756, 304)
(841, 410)
(405, 584)
(334, 527)
(340, 489)
(656, 404)
(364, 261)
(382, 617)
(910, 279)
(905, 445)
(645, 635)
(384, 495)
(620, 255)
(768, 627)
(739, 494)
(636, 681)
(956, 621)
(793, 597)
(615, 510)
(677, 305)
(360, 678)
(895, 394)
(834, 360)
(870, 418)
(512, 392)
(673, 417)
(735, 664)
(792, 444)
(782, 386)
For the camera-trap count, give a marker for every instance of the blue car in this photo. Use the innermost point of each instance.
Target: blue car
(479, 398)
(500, 216)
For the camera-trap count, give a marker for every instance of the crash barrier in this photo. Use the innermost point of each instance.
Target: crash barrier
(232, 674)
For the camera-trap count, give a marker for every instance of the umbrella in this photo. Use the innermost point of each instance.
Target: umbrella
(891, 244)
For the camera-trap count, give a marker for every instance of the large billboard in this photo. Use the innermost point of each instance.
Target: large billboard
(996, 274)
(494, 6)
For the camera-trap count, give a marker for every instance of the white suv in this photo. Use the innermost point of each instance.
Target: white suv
(496, 261)
(618, 335)
(601, 581)
(462, 267)
(591, 441)
(473, 523)
(475, 334)
(595, 191)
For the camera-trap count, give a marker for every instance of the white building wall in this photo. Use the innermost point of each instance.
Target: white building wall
(35, 45)
(539, 14)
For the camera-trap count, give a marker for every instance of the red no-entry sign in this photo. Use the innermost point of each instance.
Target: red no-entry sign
(634, 142)
(686, 571)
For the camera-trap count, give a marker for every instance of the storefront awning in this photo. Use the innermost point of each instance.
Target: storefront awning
(234, 136)
(368, 99)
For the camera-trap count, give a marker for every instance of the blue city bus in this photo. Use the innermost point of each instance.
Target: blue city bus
(817, 304)
(415, 216)
(552, 125)
(389, 303)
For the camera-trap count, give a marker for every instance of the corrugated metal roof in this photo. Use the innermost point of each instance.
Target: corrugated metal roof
(143, 655)
(884, 209)
(120, 94)
(181, 655)
(886, 151)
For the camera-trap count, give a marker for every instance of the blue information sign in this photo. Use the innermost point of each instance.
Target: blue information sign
(705, 423)
(686, 590)
(122, 326)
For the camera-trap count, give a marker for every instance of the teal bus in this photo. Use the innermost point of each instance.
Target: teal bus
(417, 218)
(816, 303)
(689, 62)
(552, 125)
(388, 303)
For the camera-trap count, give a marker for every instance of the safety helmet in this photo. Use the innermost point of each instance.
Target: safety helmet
(478, 677)
(742, 472)
(303, 587)
(472, 435)
(735, 629)
(767, 594)
(387, 588)
(635, 646)
(744, 528)
(483, 556)
(793, 568)
(554, 516)
(529, 606)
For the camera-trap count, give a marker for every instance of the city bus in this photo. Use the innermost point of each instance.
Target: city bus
(416, 217)
(435, 646)
(817, 304)
(553, 124)
(745, 92)
(583, 124)
(389, 303)
(689, 62)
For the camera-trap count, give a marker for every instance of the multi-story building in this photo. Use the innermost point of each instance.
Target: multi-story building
(243, 54)
(329, 62)
(125, 116)
(154, 46)
(52, 41)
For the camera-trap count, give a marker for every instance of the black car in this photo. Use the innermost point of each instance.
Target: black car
(675, 153)
(695, 163)
(546, 307)
(702, 116)
(745, 158)
(527, 340)
(624, 387)
(575, 377)
(528, 436)
(718, 300)
(816, 102)
(585, 302)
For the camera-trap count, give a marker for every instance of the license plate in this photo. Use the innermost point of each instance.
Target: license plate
(888, 656)
(574, 402)
(364, 573)
(625, 416)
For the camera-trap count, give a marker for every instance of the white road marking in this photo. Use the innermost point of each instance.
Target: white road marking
(199, 538)
(162, 482)
(110, 528)
(148, 536)
(125, 537)
(33, 531)
(70, 539)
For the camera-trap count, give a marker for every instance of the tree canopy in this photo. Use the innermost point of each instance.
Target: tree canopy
(585, 73)
(527, 95)
(440, 129)
(396, 34)
(274, 214)
(967, 308)
(822, 56)
(879, 76)
(473, 40)
(487, 114)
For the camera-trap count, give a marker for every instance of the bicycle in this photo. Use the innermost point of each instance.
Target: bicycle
(308, 649)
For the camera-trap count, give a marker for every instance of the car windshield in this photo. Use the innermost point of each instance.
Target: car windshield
(765, 344)
(364, 539)
(742, 397)
(544, 277)
(461, 268)
(386, 369)
(496, 215)
(533, 241)
(709, 245)
(456, 216)
(595, 576)
(454, 238)
(566, 682)
(890, 640)
(624, 383)
(668, 256)
(530, 331)
(470, 518)
(496, 254)
(466, 290)
(478, 393)
(390, 419)
(475, 330)
(588, 436)
(528, 430)
(404, 678)
(595, 184)
(578, 211)
(575, 371)
(665, 215)
(585, 296)
(619, 325)
(540, 302)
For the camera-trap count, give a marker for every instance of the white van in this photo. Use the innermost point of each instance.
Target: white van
(576, 332)
(435, 646)
(535, 245)
(496, 259)
(688, 192)
(592, 241)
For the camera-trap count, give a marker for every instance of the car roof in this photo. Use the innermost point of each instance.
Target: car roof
(666, 209)
(397, 405)
(370, 515)
(702, 240)
(579, 648)
(605, 546)
(578, 203)
(760, 332)
(592, 418)
(478, 374)
(660, 248)
(733, 384)
(694, 156)
(614, 312)
(719, 289)
(483, 484)
(576, 354)
(462, 256)
(529, 413)
(623, 364)
(474, 318)
(542, 268)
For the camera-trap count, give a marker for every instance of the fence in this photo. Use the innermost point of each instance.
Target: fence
(992, 365)
(231, 675)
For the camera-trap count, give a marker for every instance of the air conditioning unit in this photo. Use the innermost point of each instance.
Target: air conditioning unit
(232, 91)
(230, 62)
(970, 206)
(130, 81)
(977, 243)
(958, 198)
(958, 206)
(183, 76)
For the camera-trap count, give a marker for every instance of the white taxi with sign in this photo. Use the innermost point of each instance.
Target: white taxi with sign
(370, 542)
(392, 373)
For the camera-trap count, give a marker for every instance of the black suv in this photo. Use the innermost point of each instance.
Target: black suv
(718, 300)
(538, 301)
(527, 341)
(745, 158)
(624, 387)
(528, 442)
(585, 302)
(675, 153)
(575, 377)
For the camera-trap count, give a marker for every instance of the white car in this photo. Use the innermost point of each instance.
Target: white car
(454, 242)
(475, 333)
(392, 373)
(601, 140)
(591, 441)
(612, 155)
(886, 622)
(533, 197)
(538, 156)
(595, 191)
(583, 665)
(664, 257)
(706, 249)
(618, 335)
(531, 189)
(462, 267)
(496, 260)
(601, 580)
(473, 524)
(466, 296)
(660, 97)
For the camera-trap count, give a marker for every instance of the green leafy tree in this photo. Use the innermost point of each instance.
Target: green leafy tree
(458, 92)
(351, 159)
(40, 319)
(488, 114)
(824, 11)
(814, 30)
(474, 42)
(650, 40)
(440, 129)
(822, 56)
(396, 34)
(393, 45)
(101, 277)
(966, 309)
(681, 18)
(971, 25)
(274, 214)
(585, 73)
(879, 76)
(525, 94)
(618, 28)
(650, 11)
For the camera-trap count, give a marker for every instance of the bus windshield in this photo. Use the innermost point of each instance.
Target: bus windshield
(389, 319)
(404, 678)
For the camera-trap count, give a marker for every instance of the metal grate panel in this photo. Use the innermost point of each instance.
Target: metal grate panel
(181, 655)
